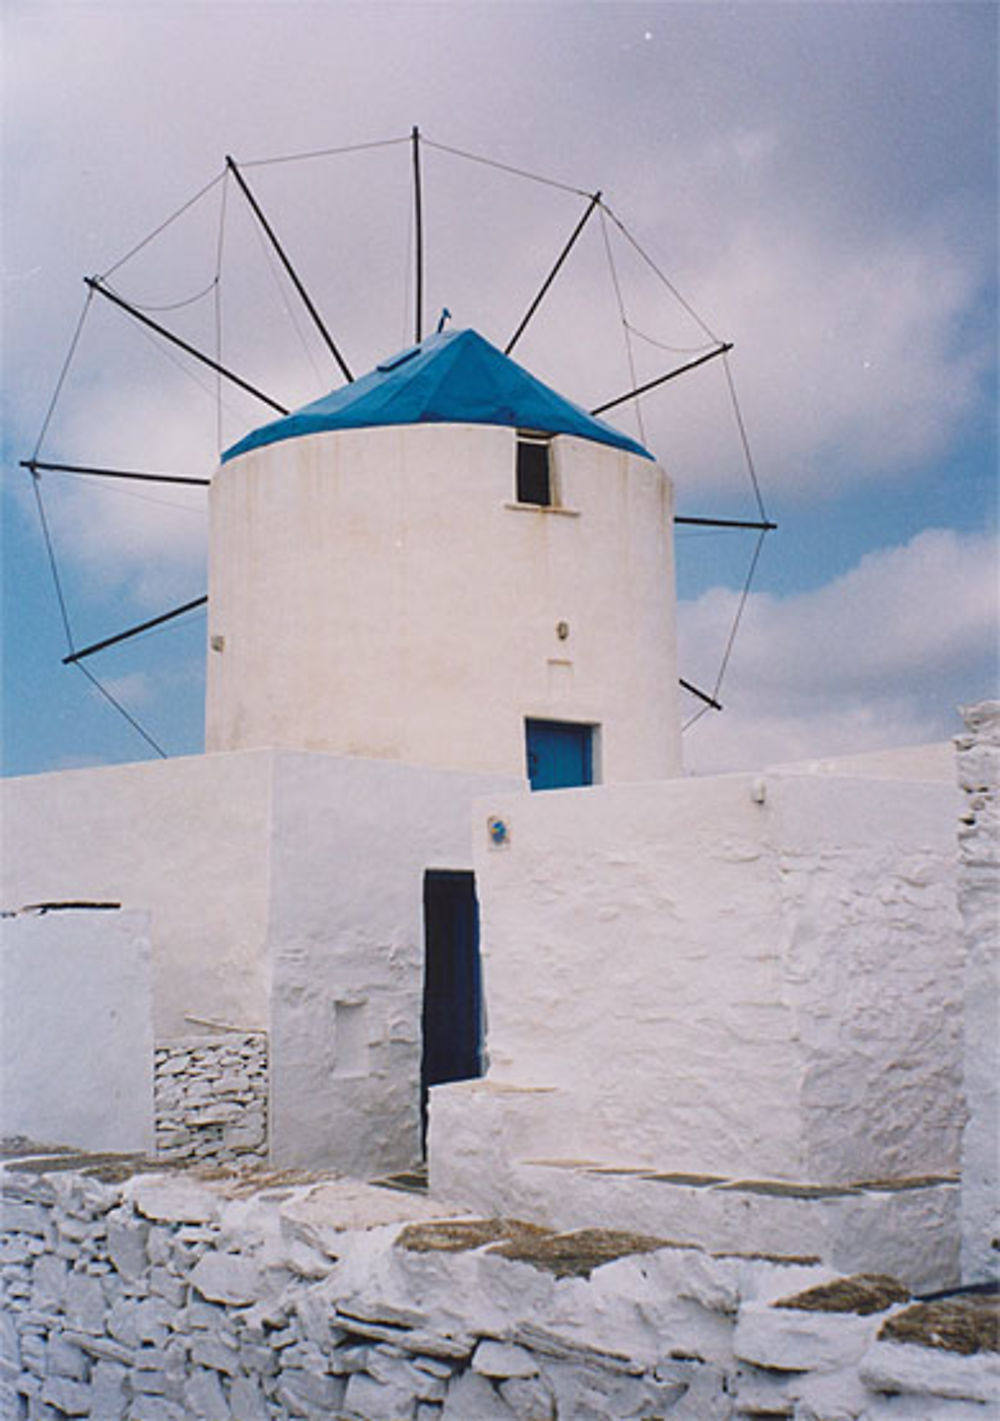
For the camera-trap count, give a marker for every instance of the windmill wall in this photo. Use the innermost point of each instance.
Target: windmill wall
(380, 592)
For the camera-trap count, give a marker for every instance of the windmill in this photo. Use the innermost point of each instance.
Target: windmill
(233, 183)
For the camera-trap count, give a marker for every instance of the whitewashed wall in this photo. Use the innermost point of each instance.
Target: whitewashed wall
(737, 976)
(286, 895)
(351, 841)
(76, 1030)
(979, 898)
(184, 839)
(377, 593)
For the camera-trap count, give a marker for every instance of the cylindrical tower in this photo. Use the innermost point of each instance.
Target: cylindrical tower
(446, 564)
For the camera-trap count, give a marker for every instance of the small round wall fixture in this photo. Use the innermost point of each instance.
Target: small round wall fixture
(498, 831)
(562, 630)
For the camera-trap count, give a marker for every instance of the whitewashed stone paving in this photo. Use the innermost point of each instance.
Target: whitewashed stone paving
(210, 1098)
(264, 1297)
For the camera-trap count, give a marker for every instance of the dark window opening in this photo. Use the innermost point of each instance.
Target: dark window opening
(534, 483)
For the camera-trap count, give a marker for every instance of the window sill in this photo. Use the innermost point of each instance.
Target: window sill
(542, 508)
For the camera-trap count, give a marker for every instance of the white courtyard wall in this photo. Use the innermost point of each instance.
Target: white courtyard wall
(351, 842)
(935, 761)
(377, 592)
(285, 891)
(76, 1030)
(737, 976)
(185, 839)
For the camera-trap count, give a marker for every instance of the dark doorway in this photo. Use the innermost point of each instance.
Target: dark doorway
(560, 754)
(452, 1013)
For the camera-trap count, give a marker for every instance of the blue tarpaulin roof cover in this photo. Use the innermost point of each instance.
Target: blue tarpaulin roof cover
(454, 377)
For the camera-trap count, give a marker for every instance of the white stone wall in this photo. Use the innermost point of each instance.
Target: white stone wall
(211, 1098)
(168, 1299)
(286, 895)
(376, 592)
(979, 899)
(184, 840)
(351, 841)
(744, 977)
(76, 1031)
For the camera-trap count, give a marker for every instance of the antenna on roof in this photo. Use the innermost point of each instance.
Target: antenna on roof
(418, 220)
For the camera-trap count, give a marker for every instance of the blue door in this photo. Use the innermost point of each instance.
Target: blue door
(560, 754)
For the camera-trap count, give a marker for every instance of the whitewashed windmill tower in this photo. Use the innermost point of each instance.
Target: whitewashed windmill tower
(446, 563)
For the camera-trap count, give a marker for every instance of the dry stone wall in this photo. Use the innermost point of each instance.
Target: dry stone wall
(210, 1097)
(979, 902)
(168, 1298)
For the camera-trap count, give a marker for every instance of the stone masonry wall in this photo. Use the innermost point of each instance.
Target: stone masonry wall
(979, 903)
(169, 1298)
(210, 1095)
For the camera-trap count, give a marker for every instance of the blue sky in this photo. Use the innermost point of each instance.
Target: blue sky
(818, 180)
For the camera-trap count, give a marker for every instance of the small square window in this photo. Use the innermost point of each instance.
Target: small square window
(534, 482)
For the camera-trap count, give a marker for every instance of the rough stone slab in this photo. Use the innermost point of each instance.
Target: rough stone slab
(928, 1372)
(152, 1318)
(472, 1395)
(127, 1245)
(377, 1400)
(173, 1199)
(529, 1398)
(64, 1359)
(48, 1284)
(247, 1400)
(400, 1372)
(168, 1286)
(214, 1353)
(318, 1395)
(204, 1397)
(552, 1344)
(228, 1278)
(155, 1408)
(16, 1217)
(503, 1359)
(107, 1386)
(85, 1303)
(791, 1341)
(73, 1398)
(345, 1361)
(102, 1348)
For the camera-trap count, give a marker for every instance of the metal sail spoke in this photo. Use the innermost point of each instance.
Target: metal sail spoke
(662, 379)
(595, 199)
(702, 695)
(33, 465)
(95, 285)
(134, 631)
(286, 263)
(764, 526)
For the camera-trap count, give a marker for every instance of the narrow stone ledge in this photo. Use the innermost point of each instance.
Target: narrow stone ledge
(864, 1293)
(462, 1235)
(965, 1325)
(779, 1189)
(576, 1254)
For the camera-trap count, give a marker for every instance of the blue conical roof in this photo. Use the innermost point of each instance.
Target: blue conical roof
(454, 377)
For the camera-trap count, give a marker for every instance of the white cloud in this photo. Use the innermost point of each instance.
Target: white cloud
(880, 656)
